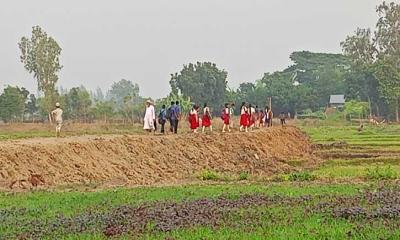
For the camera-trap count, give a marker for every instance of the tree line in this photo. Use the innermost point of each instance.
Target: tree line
(368, 72)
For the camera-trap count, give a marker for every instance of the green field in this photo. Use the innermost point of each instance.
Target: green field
(353, 194)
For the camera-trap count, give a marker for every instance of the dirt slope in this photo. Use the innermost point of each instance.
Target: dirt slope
(143, 160)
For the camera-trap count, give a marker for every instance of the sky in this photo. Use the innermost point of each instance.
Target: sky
(145, 41)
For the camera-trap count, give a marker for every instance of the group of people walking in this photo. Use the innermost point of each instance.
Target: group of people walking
(201, 118)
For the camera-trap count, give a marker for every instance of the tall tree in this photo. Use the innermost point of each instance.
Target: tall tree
(202, 82)
(40, 55)
(378, 54)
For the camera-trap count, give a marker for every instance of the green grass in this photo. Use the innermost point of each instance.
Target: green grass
(47, 205)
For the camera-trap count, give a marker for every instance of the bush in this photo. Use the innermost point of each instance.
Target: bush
(381, 173)
(301, 177)
(209, 175)
(243, 176)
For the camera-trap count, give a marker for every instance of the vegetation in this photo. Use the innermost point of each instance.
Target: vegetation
(202, 82)
(41, 56)
(375, 60)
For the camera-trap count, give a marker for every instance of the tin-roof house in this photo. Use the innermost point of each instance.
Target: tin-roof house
(337, 101)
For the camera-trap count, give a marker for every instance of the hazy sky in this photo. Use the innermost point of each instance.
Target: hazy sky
(144, 41)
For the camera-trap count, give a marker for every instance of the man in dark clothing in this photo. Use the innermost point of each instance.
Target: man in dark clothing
(282, 117)
(176, 116)
(170, 112)
(162, 118)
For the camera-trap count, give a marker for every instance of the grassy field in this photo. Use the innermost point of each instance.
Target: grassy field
(354, 194)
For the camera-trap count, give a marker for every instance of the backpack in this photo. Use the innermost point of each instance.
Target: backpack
(168, 114)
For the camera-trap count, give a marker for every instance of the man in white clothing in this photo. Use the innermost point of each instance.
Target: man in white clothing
(149, 117)
(56, 115)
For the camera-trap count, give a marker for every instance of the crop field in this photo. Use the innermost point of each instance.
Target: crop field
(352, 193)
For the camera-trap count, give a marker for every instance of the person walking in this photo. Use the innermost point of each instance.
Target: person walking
(162, 118)
(282, 117)
(244, 119)
(194, 118)
(149, 117)
(226, 118)
(56, 115)
(176, 116)
(206, 119)
(170, 113)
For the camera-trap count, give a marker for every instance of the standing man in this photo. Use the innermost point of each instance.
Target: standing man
(149, 117)
(162, 118)
(177, 114)
(56, 115)
(170, 114)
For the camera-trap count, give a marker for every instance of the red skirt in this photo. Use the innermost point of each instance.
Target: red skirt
(251, 120)
(227, 120)
(194, 123)
(206, 121)
(244, 120)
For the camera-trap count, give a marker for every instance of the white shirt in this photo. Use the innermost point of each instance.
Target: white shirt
(57, 114)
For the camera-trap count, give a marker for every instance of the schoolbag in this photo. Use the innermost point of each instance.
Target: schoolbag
(168, 114)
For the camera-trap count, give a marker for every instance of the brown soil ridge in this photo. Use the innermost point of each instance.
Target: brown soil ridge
(150, 159)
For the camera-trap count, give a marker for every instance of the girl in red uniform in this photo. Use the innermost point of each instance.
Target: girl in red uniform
(226, 118)
(244, 118)
(194, 119)
(206, 120)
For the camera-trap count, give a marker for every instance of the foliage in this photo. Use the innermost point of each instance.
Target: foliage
(243, 176)
(103, 110)
(32, 106)
(381, 173)
(40, 55)
(202, 82)
(77, 103)
(359, 109)
(209, 175)
(185, 102)
(306, 84)
(301, 176)
(376, 58)
(126, 98)
(12, 103)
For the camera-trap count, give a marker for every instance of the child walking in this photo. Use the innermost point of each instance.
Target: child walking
(226, 118)
(206, 119)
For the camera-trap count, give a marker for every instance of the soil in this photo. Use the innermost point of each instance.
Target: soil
(149, 159)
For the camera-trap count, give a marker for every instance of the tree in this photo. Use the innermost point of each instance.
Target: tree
(378, 54)
(125, 95)
(359, 109)
(104, 110)
(32, 106)
(77, 103)
(202, 82)
(40, 56)
(12, 103)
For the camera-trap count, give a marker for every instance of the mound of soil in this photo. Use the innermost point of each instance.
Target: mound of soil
(149, 159)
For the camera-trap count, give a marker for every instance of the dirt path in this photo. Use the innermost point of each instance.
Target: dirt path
(148, 159)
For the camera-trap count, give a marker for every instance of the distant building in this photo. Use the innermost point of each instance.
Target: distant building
(337, 101)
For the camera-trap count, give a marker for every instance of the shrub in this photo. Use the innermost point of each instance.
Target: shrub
(243, 176)
(301, 177)
(209, 175)
(381, 173)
